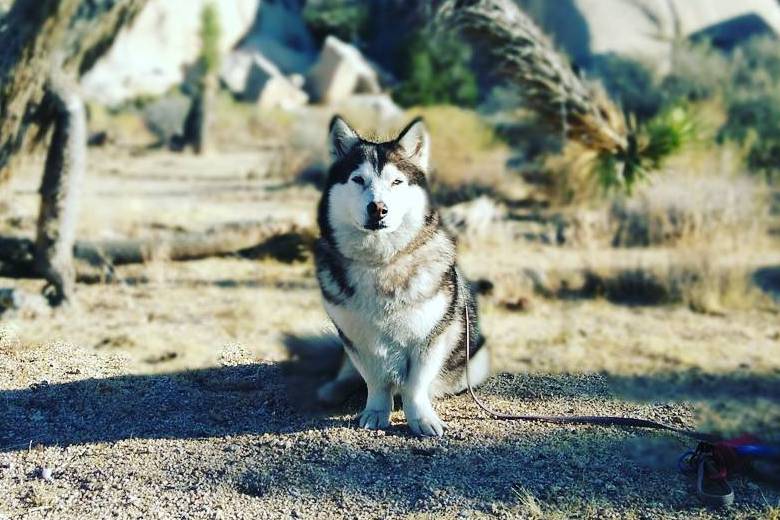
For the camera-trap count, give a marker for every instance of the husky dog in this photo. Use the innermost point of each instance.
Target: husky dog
(389, 281)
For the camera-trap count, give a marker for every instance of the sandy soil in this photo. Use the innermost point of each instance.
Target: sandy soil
(167, 393)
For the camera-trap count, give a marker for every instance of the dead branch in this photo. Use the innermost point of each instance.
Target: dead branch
(17, 254)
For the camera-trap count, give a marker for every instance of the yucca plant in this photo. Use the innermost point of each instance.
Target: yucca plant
(648, 147)
(525, 57)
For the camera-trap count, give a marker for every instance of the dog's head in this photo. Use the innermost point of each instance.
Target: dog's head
(377, 187)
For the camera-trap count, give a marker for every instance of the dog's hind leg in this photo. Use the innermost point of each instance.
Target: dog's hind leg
(347, 383)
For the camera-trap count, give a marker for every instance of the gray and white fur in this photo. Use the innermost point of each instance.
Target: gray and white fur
(389, 280)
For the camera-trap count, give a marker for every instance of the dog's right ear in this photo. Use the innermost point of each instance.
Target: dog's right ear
(342, 138)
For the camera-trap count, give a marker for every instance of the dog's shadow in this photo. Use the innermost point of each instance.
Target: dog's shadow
(252, 398)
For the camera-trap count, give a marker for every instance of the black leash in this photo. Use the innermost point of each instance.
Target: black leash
(711, 463)
(596, 420)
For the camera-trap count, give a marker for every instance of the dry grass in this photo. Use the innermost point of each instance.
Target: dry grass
(124, 128)
(701, 284)
(528, 506)
(685, 211)
(465, 150)
(692, 279)
(569, 176)
(242, 125)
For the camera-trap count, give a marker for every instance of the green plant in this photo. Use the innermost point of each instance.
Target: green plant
(437, 71)
(210, 33)
(754, 121)
(662, 136)
(520, 53)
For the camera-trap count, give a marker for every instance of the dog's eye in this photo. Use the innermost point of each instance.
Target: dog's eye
(397, 182)
(358, 180)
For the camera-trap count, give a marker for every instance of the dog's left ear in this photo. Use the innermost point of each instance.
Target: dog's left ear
(416, 143)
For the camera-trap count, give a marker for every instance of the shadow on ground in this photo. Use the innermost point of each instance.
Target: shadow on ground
(278, 398)
(480, 463)
(690, 385)
(768, 279)
(189, 404)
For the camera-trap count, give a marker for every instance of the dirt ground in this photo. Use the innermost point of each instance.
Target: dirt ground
(167, 393)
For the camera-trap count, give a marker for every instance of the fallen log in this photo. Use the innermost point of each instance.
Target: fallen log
(285, 240)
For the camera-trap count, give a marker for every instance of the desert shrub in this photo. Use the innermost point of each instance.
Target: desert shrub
(580, 174)
(754, 120)
(698, 72)
(630, 84)
(345, 19)
(756, 64)
(468, 157)
(691, 279)
(688, 210)
(747, 83)
(437, 71)
(753, 105)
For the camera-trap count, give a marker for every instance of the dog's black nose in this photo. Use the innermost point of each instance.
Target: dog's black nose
(377, 209)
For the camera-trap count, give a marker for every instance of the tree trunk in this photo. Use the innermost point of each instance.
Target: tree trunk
(31, 32)
(34, 36)
(199, 122)
(62, 180)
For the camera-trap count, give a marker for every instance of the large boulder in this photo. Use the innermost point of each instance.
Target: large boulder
(647, 29)
(280, 34)
(149, 57)
(153, 55)
(252, 77)
(340, 72)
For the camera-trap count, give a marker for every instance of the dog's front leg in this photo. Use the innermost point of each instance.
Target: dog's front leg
(416, 395)
(379, 404)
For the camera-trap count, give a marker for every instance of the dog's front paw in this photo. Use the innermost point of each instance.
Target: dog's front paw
(425, 423)
(375, 419)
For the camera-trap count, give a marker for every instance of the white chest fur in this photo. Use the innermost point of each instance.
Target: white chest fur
(372, 315)
(387, 328)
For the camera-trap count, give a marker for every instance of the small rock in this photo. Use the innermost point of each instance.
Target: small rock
(46, 474)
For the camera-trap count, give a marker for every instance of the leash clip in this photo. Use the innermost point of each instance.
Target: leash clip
(711, 470)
